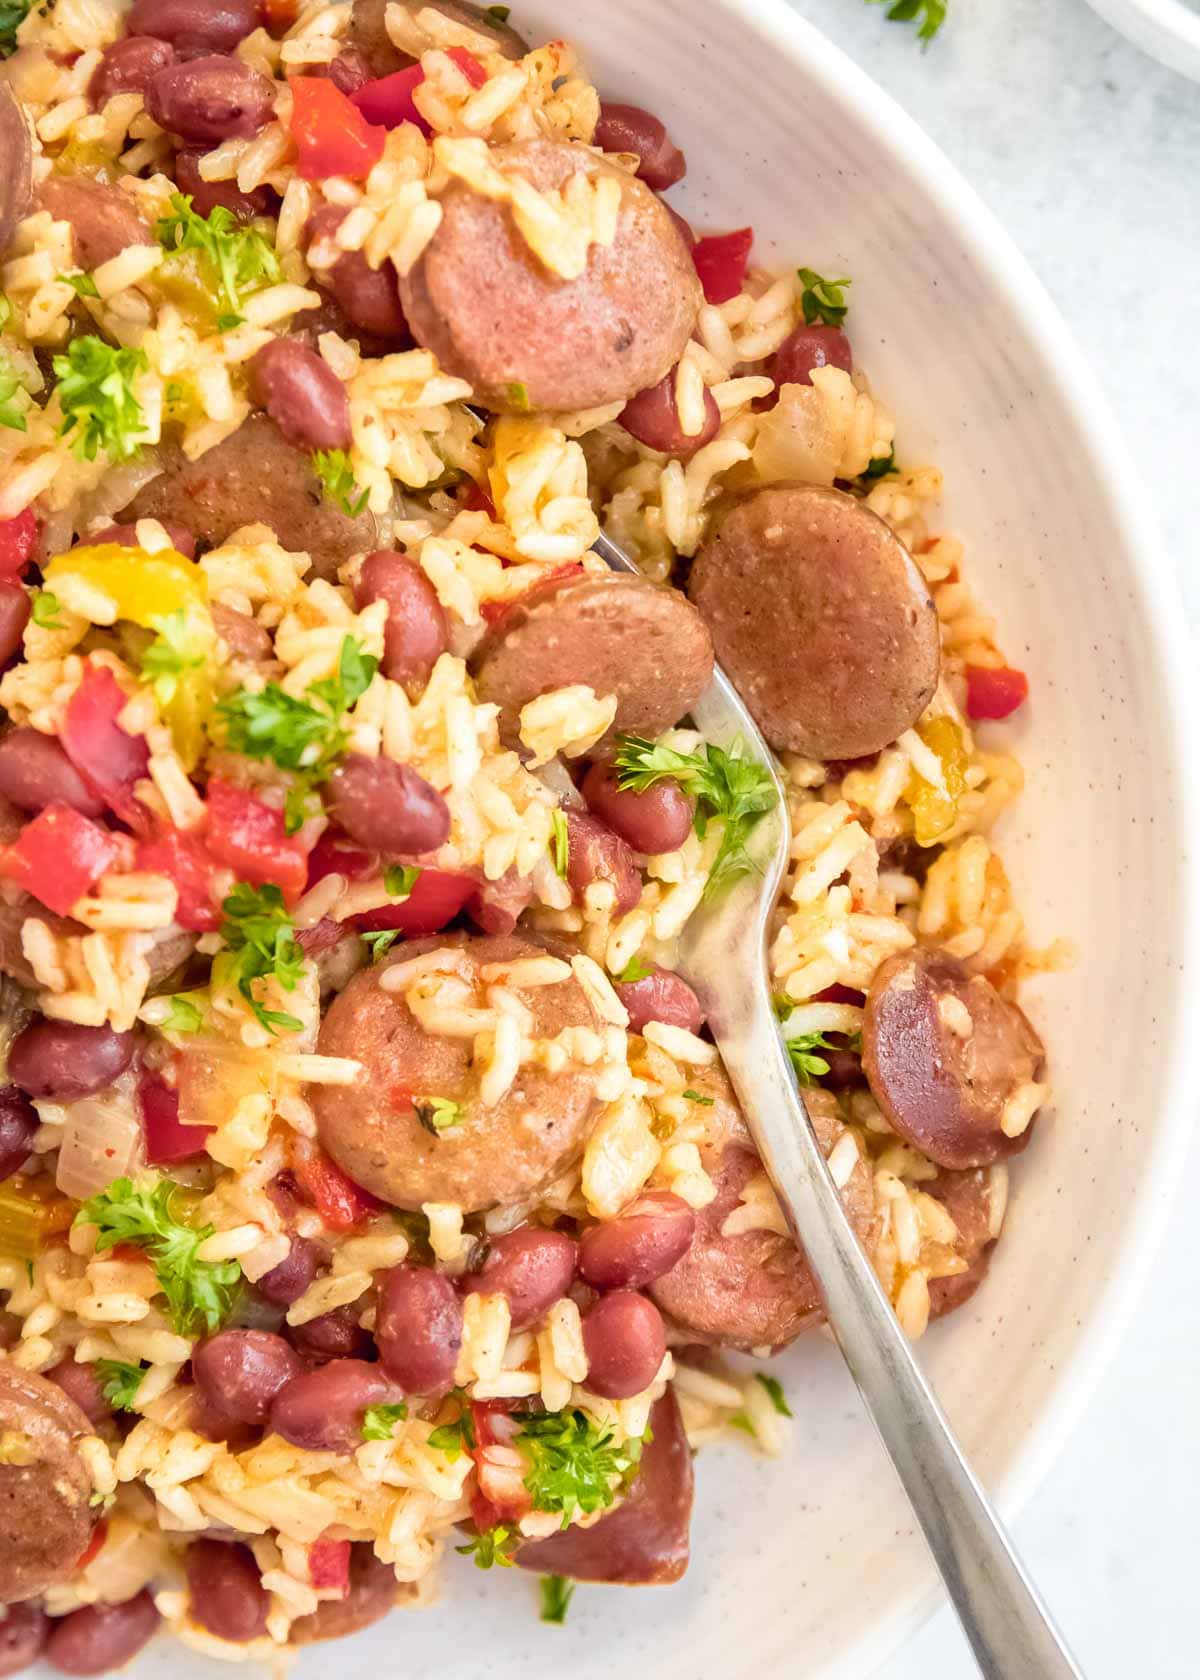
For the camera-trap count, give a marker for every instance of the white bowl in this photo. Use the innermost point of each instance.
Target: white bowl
(1168, 30)
(809, 1566)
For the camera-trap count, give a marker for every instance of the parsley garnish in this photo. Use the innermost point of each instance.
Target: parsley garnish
(556, 1596)
(239, 257)
(399, 879)
(332, 467)
(493, 1546)
(262, 944)
(12, 15)
(454, 1438)
(774, 1389)
(931, 12)
(807, 1063)
(560, 842)
(182, 1016)
(44, 610)
(380, 943)
(199, 1292)
(694, 1096)
(518, 396)
(95, 391)
(119, 1382)
(574, 1467)
(634, 970)
(438, 1114)
(81, 284)
(822, 300)
(724, 784)
(879, 466)
(176, 648)
(379, 1422)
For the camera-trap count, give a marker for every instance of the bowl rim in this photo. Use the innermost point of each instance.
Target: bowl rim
(1155, 589)
(1168, 30)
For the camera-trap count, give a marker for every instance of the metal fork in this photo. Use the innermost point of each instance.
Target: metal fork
(723, 956)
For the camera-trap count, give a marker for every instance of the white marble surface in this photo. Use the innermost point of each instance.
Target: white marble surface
(1087, 152)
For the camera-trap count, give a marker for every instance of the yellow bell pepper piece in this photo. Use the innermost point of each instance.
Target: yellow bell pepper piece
(164, 592)
(31, 1212)
(934, 811)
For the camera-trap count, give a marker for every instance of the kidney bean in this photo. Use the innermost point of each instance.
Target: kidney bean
(322, 1410)
(808, 347)
(228, 1597)
(210, 99)
(627, 128)
(496, 907)
(241, 1371)
(61, 1061)
(127, 66)
(81, 1383)
(36, 772)
(531, 1268)
(206, 195)
(215, 1424)
(653, 419)
(210, 26)
(183, 541)
(335, 1335)
(658, 820)
(387, 806)
(419, 1329)
(640, 1245)
(348, 71)
(416, 633)
(18, 1123)
(625, 1341)
(596, 853)
(101, 1636)
(23, 1633)
(661, 996)
(302, 394)
(286, 1282)
(14, 616)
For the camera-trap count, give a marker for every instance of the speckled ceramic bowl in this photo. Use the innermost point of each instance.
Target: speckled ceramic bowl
(809, 1566)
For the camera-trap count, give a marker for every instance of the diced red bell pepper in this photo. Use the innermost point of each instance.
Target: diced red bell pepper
(99, 1536)
(495, 612)
(329, 1564)
(341, 1203)
(995, 691)
(108, 758)
(334, 854)
(468, 64)
(185, 860)
(473, 499)
(721, 262)
(250, 838)
(389, 99)
(837, 993)
(500, 1495)
(167, 1139)
(58, 856)
(18, 539)
(332, 135)
(436, 899)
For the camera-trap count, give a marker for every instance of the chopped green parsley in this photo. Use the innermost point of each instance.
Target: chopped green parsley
(438, 1114)
(379, 944)
(44, 610)
(399, 879)
(493, 1546)
(574, 1466)
(81, 284)
(182, 1016)
(379, 1422)
(239, 259)
(556, 1595)
(336, 475)
(95, 392)
(560, 842)
(822, 300)
(119, 1383)
(932, 14)
(635, 969)
(262, 945)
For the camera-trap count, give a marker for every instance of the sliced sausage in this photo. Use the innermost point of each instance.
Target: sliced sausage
(975, 1202)
(943, 1052)
(372, 1594)
(493, 1155)
(754, 1289)
(102, 217)
(254, 477)
(368, 34)
(644, 1541)
(620, 635)
(16, 184)
(526, 338)
(821, 619)
(45, 1518)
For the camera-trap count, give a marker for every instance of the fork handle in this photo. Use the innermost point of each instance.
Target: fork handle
(1009, 1628)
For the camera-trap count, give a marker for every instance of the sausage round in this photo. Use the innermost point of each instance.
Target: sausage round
(103, 219)
(644, 1541)
(820, 618)
(45, 1518)
(975, 1201)
(368, 34)
(943, 1052)
(620, 635)
(254, 477)
(497, 1154)
(525, 338)
(16, 185)
(372, 1594)
(755, 1288)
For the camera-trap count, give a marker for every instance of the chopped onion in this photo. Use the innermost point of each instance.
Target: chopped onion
(101, 1140)
(796, 439)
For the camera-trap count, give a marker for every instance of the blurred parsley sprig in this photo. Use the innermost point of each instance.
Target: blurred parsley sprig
(932, 14)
